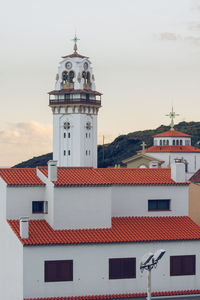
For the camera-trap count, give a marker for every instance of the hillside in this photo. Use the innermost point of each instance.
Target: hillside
(124, 146)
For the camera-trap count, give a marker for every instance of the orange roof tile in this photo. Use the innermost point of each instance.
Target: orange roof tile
(196, 177)
(122, 296)
(23, 176)
(123, 230)
(123, 176)
(172, 149)
(172, 133)
(75, 55)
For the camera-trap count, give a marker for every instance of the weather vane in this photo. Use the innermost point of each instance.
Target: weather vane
(172, 116)
(75, 40)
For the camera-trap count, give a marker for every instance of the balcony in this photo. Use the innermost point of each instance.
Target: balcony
(74, 101)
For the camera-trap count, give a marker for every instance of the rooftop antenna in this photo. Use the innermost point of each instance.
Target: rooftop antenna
(75, 40)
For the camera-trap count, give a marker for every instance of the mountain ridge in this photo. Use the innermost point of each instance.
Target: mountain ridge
(124, 146)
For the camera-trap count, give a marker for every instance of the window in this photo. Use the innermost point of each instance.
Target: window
(64, 135)
(58, 270)
(86, 152)
(39, 207)
(86, 135)
(160, 142)
(181, 142)
(167, 142)
(64, 152)
(120, 268)
(69, 152)
(174, 142)
(182, 265)
(71, 76)
(162, 204)
(177, 142)
(69, 135)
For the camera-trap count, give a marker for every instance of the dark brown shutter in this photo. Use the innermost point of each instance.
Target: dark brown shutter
(120, 268)
(182, 265)
(59, 270)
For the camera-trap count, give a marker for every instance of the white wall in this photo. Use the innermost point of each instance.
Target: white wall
(193, 160)
(3, 193)
(19, 201)
(11, 264)
(90, 266)
(82, 207)
(77, 144)
(133, 200)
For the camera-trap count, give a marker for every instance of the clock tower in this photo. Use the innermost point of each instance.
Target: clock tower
(75, 104)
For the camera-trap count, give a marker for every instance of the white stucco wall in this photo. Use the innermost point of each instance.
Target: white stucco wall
(193, 160)
(82, 207)
(3, 193)
(19, 201)
(11, 264)
(78, 143)
(133, 200)
(90, 268)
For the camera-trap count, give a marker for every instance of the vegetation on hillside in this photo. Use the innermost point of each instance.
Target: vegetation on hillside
(124, 146)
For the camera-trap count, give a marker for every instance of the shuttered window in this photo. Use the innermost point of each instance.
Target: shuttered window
(161, 204)
(182, 265)
(120, 268)
(58, 270)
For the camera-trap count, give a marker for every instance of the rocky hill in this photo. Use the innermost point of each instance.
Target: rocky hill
(124, 146)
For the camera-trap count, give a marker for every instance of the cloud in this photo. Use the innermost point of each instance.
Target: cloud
(23, 140)
(170, 36)
(194, 26)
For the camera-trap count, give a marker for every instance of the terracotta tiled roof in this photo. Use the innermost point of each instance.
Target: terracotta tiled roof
(123, 230)
(73, 91)
(77, 176)
(75, 55)
(23, 176)
(89, 176)
(196, 177)
(172, 133)
(122, 296)
(172, 149)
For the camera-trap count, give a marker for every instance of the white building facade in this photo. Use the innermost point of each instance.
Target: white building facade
(174, 145)
(75, 104)
(83, 221)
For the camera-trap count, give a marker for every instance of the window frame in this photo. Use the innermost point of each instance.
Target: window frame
(57, 265)
(122, 267)
(179, 259)
(158, 208)
(44, 207)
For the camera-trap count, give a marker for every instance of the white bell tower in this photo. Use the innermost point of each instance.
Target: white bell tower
(75, 104)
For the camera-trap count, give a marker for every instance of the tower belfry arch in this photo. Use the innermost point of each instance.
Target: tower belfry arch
(75, 104)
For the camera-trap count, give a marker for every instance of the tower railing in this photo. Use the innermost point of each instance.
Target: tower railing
(74, 101)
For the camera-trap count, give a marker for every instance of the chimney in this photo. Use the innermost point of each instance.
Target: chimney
(178, 170)
(24, 227)
(52, 170)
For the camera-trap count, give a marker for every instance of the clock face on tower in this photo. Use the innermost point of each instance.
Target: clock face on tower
(68, 65)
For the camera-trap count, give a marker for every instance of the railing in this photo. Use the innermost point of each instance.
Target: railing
(73, 101)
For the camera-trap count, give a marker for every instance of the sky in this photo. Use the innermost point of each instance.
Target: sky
(145, 56)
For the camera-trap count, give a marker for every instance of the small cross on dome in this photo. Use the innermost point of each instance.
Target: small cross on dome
(75, 40)
(172, 116)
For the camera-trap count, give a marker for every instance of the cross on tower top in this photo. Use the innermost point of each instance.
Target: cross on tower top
(143, 145)
(75, 40)
(172, 116)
